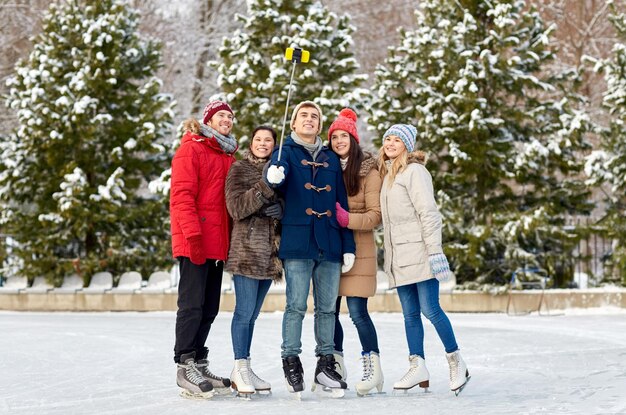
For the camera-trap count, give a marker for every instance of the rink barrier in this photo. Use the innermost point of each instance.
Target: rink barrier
(383, 301)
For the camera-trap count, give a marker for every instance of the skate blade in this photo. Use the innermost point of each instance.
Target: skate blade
(369, 394)
(196, 396)
(263, 393)
(460, 389)
(244, 396)
(334, 393)
(226, 390)
(407, 392)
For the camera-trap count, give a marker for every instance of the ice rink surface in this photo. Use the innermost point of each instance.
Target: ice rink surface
(121, 363)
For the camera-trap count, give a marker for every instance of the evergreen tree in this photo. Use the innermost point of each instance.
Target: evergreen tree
(91, 122)
(504, 135)
(608, 165)
(254, 75)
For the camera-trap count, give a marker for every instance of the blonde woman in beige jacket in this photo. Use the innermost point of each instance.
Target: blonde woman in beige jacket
(414, 259)
(357, 284)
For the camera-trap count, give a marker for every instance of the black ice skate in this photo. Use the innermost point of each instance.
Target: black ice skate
(189, 378)
(294, 374)
(327, 377)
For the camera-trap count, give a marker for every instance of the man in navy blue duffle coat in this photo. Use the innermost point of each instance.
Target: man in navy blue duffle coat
(313, 246)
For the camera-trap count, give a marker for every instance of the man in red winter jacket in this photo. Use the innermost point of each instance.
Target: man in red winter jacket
(200, 241)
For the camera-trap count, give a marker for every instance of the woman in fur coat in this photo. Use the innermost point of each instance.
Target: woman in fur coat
(414, 258)
(252, 259)
(363, 186)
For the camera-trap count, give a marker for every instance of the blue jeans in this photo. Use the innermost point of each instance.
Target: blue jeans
(249, 296)
(424, 297)
(325, 276)
(357, 307)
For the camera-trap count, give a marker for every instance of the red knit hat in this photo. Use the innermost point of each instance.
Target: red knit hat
(213, 107)
(345, 121)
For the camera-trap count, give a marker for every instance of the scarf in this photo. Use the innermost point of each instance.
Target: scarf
(228, 143)
(344, 163)
(314, 149)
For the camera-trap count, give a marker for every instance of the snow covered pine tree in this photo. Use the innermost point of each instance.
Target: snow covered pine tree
(91, 124)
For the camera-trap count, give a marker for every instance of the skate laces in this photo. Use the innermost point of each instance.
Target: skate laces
(367, 366)
(193, 374)
(204, 370)
(412, 369)
(454, 367)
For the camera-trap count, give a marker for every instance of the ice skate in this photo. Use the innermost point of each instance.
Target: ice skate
(220, 385)
(340, 367)
(240, 379)
(294, 375)
(261, 387)
(417, 375)
(327, 377)
(372, 375)
(189, 378)
(459, 375)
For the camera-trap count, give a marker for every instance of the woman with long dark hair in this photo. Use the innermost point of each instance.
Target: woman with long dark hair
(363, 183)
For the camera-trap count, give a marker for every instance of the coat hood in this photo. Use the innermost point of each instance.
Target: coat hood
(368, 163)
(418, 157)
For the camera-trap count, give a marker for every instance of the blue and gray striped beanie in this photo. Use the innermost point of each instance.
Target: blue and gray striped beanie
(405, 132)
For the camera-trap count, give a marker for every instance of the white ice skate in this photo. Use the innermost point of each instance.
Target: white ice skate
(372, 375)
(240, 379)
(261, 387)
(417, 375)
(459, 375)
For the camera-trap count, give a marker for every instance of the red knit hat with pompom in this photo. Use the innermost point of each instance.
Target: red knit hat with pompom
(345, 121)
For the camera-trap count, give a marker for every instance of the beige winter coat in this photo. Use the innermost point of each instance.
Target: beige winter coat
(412, 224)
(360, 281)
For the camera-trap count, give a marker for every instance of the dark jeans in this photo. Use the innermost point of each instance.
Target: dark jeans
(199, 291)
(357, 307)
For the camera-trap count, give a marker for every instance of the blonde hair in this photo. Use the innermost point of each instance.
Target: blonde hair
(398, 164)
(191, 125)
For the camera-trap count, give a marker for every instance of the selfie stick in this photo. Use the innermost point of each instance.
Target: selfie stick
(295, 55)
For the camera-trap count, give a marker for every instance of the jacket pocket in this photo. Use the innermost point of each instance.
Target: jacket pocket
(408, 245)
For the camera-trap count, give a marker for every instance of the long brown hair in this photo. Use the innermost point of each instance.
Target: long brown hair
(351, 176)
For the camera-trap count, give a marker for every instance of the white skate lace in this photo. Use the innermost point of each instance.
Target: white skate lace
(454, 369)
(204, 368)
(254, 378)
(193, 374)
(367, 367)
(409, 374)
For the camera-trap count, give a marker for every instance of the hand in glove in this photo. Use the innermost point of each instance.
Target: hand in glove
(343, 216)
(439, 267)
(275, 210)
(196, 250)
(275, 174)
(348, 262)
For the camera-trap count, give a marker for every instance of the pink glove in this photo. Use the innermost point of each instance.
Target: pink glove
(196, 251)
(343, 217)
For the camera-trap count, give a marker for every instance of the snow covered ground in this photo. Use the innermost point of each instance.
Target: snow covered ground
(121, 363)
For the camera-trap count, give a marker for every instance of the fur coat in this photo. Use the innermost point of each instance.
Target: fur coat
(255, 238)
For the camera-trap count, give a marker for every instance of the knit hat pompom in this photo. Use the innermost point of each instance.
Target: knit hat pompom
(346, 121)
(405, 132)
(348, 113)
